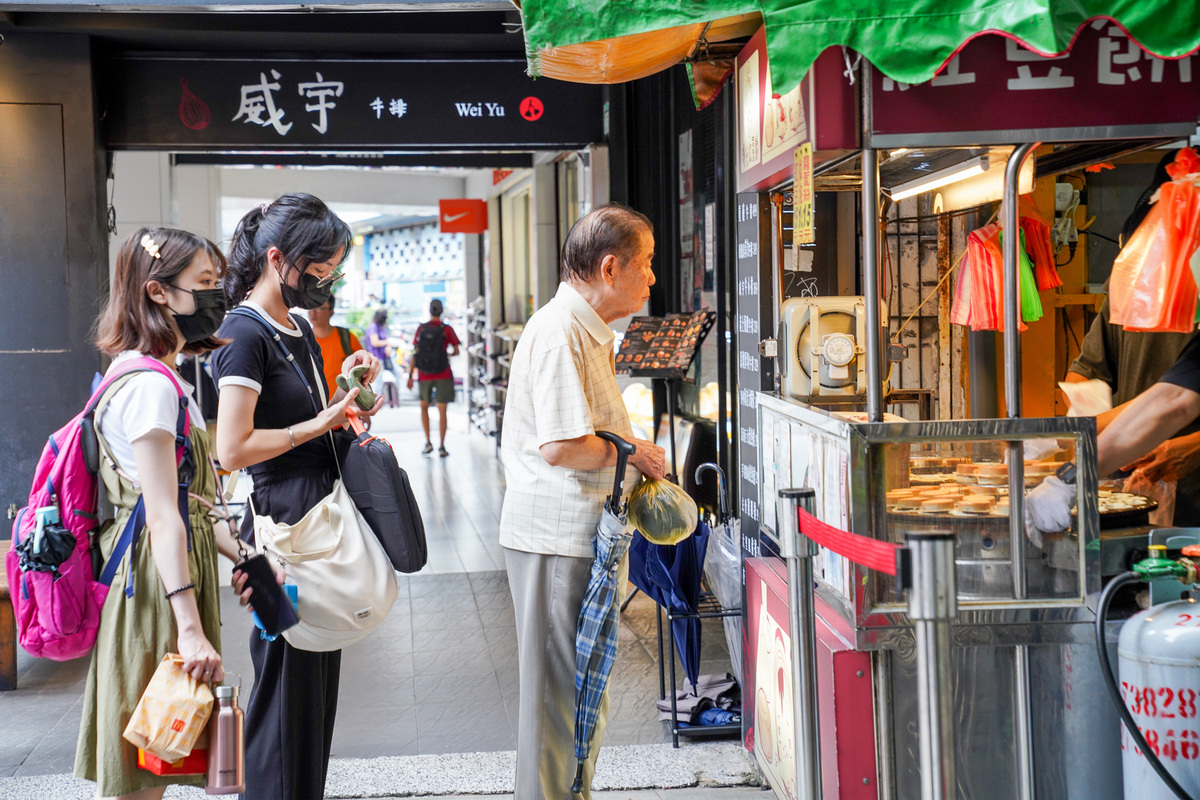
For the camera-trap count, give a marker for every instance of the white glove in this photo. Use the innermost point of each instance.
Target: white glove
(1048, 509)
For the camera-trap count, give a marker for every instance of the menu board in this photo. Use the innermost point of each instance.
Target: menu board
(755, 321)
(663, 347)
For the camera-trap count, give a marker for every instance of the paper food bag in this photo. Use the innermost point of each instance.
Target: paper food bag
(172, 713)
(1087, 398)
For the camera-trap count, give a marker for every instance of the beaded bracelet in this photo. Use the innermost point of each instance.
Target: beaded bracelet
(181, 590)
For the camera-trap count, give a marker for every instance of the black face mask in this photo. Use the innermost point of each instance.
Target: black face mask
(313, 295)
(206, 319)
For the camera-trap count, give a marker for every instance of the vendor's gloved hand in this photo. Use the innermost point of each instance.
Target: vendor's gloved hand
(1048, 509)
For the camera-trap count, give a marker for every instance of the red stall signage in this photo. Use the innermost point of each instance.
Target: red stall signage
(821, 110)
(997, 92)
(462, 216)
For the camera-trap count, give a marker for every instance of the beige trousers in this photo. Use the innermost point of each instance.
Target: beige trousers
(547, 593)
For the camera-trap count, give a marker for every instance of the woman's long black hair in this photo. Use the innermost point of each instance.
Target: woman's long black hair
(300, 225)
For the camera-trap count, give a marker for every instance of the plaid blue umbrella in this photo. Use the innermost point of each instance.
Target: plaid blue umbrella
(596, 639)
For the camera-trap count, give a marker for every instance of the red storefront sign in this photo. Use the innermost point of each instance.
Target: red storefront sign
(997, 92)
(462, 216)
(821, 110)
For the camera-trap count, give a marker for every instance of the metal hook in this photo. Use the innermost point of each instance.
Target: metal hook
(722, 496)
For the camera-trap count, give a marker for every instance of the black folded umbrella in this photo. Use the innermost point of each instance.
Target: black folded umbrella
(46, 549)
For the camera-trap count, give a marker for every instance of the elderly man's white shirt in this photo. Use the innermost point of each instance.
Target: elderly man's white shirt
(562, 385)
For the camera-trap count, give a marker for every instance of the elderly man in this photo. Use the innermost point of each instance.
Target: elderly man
(1154, 416)
(562, 389)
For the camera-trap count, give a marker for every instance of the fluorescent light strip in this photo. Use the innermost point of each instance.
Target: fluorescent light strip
(976, 166)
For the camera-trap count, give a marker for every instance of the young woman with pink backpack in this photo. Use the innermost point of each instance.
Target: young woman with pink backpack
(166, 299)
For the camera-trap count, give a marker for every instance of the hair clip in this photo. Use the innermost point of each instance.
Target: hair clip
(150, 246)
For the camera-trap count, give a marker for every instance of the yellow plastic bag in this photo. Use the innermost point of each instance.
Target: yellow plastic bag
(172, 713)
(663, 512)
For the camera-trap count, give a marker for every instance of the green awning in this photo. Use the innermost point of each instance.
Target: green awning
(554, 23)
(907, 40)
(912, 38)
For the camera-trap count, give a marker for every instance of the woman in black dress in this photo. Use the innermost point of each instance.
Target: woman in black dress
(286, 254)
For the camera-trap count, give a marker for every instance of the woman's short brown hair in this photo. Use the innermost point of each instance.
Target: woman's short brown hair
(131, 320)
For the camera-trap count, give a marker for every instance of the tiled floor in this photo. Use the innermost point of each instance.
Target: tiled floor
(440, 676)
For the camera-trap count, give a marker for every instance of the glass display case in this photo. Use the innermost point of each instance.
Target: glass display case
(894, 478)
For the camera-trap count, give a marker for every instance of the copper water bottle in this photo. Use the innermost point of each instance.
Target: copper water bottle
(226, 744)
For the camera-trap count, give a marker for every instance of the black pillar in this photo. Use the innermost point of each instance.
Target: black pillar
(53, 245)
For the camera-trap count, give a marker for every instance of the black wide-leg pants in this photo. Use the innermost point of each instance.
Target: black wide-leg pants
(289, 720)
(291, 709)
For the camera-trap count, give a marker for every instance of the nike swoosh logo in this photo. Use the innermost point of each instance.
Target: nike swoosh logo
(454, 217)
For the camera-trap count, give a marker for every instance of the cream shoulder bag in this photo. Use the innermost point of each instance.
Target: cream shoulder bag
(346, 583)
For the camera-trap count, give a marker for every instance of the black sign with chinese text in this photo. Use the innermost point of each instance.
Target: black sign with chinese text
(294, 104)
(755, 373)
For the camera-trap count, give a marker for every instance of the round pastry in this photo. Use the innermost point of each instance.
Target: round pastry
(992, 491)
(1001, 507)
(991, 474)
(935, 479)
(937, 505)
(976, 503)
(966, 470)
(928, 461)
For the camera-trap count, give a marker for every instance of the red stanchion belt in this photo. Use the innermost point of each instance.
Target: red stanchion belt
(871, 553)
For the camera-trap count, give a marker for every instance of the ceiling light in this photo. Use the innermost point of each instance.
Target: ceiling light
(965, 169)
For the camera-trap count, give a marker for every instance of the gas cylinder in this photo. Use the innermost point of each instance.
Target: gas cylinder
(1159, 656)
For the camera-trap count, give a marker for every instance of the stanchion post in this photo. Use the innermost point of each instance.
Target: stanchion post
(932, 605)
(798, 550)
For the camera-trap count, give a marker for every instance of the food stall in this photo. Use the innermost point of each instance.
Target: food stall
(1027, 714)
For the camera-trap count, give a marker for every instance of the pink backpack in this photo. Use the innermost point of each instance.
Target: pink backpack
(53, 560)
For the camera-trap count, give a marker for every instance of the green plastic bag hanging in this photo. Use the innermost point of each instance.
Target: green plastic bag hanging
(1031, 301)
(664, 513)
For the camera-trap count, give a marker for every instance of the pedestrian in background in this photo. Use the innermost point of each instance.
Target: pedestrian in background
(286, 254)
(166, 300)
(336, 343)
(379, 344)
(432, 366)
(562, 389)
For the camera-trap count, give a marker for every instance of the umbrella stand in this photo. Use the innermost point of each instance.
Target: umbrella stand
(596, 638)
(706, 610)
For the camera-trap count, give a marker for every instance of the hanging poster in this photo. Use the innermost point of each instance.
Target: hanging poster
(802, 197)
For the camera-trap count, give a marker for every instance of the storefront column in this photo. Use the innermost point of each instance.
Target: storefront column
(53, 248)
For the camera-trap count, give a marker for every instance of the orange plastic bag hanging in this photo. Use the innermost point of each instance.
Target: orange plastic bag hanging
(1137, 288)
(1181, 202)
(1152, 288)
(1037, 245)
